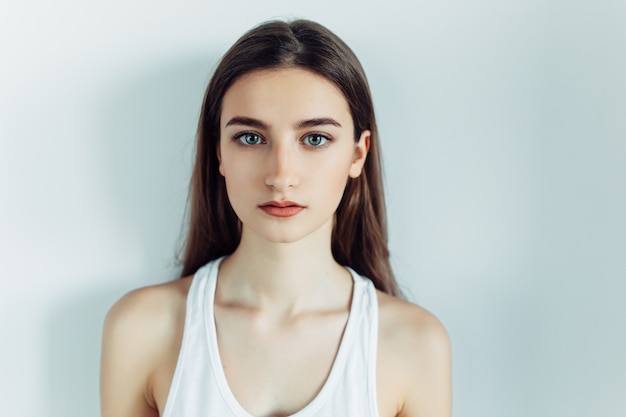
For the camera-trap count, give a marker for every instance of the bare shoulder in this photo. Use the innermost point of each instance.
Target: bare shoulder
(149, 306)
(142, 331)
(409, 325)
(414, 358)
(147, 315)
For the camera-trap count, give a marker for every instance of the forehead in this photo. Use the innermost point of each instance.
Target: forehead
(285, 94)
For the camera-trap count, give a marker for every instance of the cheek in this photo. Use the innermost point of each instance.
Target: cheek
(235, 177)
(232, 166)
(237, 180)
(334, 178)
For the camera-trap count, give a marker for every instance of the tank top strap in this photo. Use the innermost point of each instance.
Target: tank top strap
(193, 348)
(361, 370)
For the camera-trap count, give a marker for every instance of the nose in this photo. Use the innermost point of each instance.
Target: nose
(282, 167)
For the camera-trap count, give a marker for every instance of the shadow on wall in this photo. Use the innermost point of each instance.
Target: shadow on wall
(146, 145)
(149, 126)
(74, 339)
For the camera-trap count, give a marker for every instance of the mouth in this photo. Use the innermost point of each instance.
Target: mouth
(281, 208)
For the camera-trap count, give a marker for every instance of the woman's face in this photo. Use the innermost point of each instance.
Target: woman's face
(286, 151)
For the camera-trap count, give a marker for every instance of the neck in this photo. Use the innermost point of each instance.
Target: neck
(284, 278)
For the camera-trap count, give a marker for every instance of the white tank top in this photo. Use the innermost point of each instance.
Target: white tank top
(199, 387)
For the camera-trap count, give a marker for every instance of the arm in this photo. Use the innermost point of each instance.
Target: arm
(414, 371)
(128, 357)
(429, 392)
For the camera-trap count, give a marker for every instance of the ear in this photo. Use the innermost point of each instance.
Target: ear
(219, 158)
(360, 154)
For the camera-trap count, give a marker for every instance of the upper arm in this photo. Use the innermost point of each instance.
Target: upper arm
(129, 356)
(429, 388)
(414, 370)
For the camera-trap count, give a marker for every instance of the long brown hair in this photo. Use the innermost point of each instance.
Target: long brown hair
(359, 237)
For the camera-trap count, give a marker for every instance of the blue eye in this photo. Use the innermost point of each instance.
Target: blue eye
(249, 139)
(315, 140)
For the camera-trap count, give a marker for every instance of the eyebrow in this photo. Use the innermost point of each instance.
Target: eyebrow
(252, 122)
(321, 121)
(246, 121)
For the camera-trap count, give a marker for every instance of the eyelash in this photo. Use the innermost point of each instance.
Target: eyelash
(239, 138)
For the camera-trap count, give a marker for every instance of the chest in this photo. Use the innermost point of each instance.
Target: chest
(278, 379)
(273, 371)
(277, 370)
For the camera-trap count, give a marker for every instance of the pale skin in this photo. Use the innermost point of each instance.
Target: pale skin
(285, 135)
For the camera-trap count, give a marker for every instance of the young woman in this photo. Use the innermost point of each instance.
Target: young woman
(287, 305)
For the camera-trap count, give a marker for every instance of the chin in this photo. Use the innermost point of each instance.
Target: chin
(286, 234)
(284, 238)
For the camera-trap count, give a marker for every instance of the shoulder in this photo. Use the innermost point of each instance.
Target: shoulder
(408, 325)
(414, 355)
(148, 312)
(142, 331)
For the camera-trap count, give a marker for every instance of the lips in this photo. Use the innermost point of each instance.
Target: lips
(281, 208)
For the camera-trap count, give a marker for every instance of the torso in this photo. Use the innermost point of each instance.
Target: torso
(260, 378)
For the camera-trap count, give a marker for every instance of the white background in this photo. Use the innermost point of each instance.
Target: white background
(503, 126)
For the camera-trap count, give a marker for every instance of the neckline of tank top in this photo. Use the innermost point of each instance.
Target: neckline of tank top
(335, 370)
